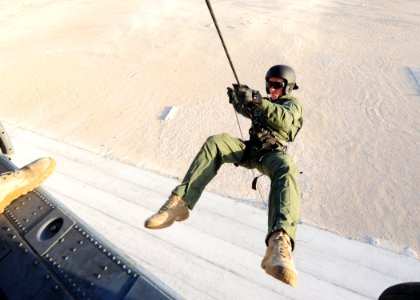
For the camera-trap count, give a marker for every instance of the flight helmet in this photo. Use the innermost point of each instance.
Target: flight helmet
(285, 72)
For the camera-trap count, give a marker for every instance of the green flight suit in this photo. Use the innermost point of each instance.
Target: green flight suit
(284, 119)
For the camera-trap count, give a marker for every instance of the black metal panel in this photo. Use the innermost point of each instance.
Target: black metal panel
(22, 273)
(144, 288)
(47, 254)
(90, 269)
(28, 210)
(49, 230)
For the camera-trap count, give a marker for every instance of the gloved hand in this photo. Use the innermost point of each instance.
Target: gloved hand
(244, 95)
(232, 96)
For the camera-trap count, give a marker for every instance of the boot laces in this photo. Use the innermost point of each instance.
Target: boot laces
(285, 246)
(171, 202)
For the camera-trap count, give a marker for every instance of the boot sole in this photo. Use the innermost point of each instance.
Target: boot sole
(265, 259)
(27, 188)
(263, 264)
(285, 275)
(168, 223)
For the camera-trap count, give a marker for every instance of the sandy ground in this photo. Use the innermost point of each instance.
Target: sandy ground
(99, 74)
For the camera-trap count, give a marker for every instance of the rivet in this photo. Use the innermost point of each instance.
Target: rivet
(20, 245)
(73, 249)
(118, 262)
(55, 287)
(129, 271)
(35, 263)
(65, 257)
(80, 242)
(8, 229)
(105, 268)
(124, 267)
(61, 240)
(75, 226)
(92, 284)
(98, 276)
(100, 246)
(14, 236)
(34, 213)
(47, 276)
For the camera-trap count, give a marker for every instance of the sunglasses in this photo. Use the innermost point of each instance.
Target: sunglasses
(276, 85)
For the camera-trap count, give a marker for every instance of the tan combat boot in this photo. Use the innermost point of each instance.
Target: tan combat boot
(278, 261)
(18, 183)
(175, 209)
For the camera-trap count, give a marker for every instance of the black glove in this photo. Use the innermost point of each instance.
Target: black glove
(232, 96)
(244, 95)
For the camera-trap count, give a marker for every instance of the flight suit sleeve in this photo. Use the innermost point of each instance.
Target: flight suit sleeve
(284, 116)
(242, 110)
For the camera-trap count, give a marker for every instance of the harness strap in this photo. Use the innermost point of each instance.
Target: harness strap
(254, 182)
(271, 144)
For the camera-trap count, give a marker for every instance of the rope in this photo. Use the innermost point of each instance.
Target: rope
(237, 81)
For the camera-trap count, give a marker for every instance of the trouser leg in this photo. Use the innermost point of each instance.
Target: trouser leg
(218, 149)
(284, 198)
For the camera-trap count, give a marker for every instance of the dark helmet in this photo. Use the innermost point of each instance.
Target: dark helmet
(285, 72)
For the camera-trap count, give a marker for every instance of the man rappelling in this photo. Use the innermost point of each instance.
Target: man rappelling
(276, 120)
